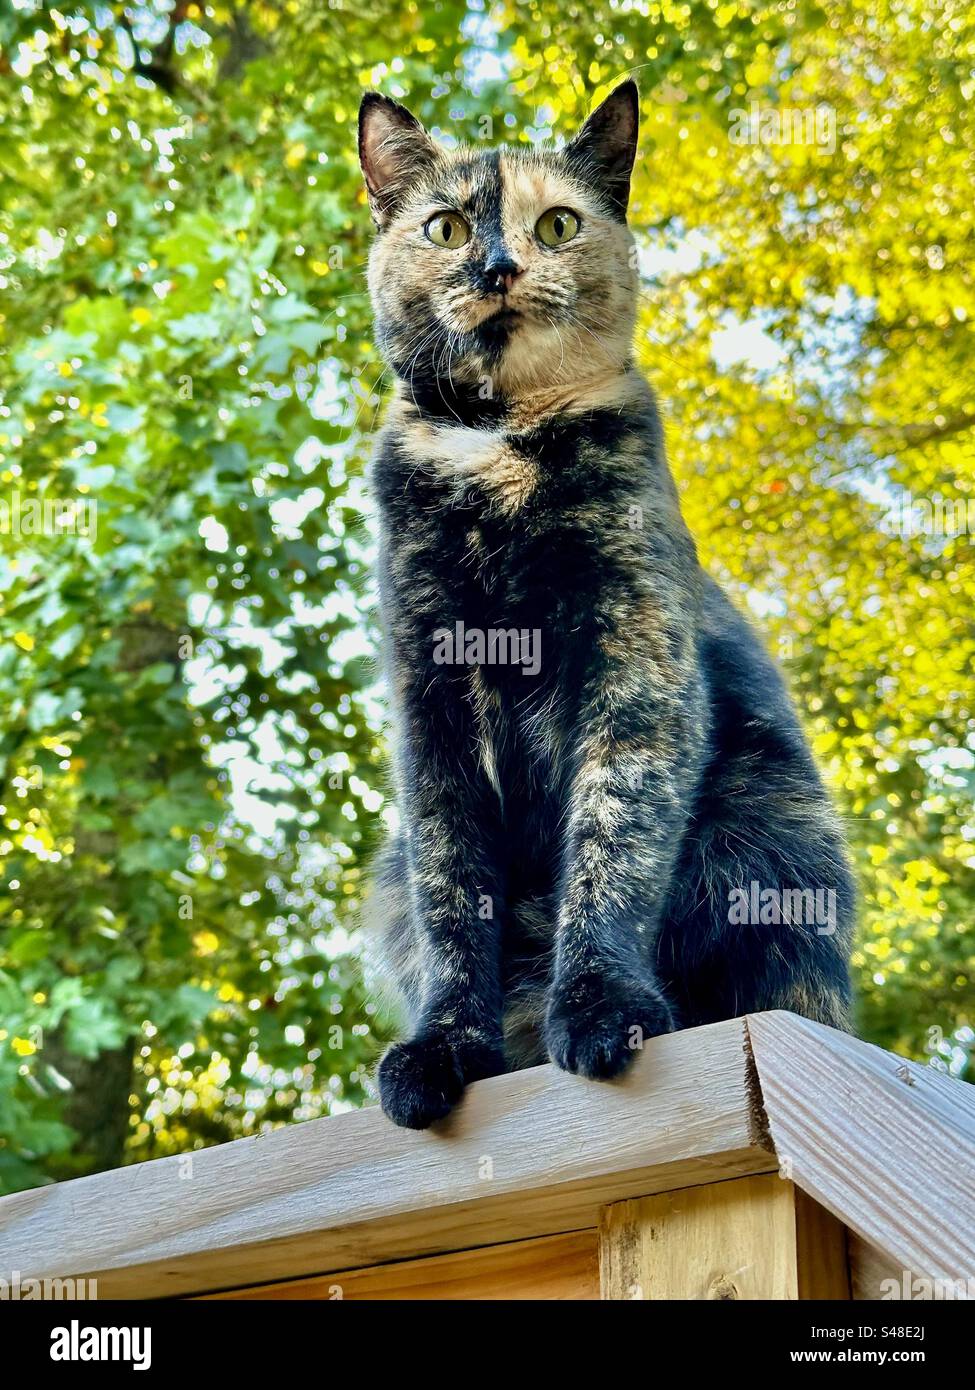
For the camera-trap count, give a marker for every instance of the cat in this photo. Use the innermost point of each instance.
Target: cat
(625, 834)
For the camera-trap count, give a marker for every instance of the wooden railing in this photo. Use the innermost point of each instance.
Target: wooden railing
(765, 1157)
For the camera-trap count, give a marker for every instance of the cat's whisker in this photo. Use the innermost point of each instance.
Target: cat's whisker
(446, 356)
(561, 345)
(658, 341)
(612, 357)
(418, 337)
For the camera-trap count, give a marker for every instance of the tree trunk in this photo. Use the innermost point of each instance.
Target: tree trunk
(98, 1105)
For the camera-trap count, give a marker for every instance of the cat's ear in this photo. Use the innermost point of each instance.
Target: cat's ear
(604, 149)
(394, 150)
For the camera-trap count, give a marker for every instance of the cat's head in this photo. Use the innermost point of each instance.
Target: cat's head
(500, 271)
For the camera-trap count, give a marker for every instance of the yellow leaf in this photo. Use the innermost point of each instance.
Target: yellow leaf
(24, 641)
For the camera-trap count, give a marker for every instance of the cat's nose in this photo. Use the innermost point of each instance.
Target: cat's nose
(501, 273)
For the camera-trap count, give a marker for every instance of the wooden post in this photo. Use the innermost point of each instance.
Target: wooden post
(856, 1126)
(748, 1238)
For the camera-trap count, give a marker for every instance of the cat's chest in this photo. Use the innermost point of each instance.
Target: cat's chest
(497, 469)
(516, 526)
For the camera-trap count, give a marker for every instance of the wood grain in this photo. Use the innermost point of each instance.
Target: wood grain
(871, 1270)
(743, 1239)
(534, 1153)
(887, 1145)
(552, 1267)
(822, 1260)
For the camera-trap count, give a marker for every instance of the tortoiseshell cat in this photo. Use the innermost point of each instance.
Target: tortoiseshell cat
(588, 839)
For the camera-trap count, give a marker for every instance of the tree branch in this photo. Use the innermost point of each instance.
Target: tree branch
(160, 68)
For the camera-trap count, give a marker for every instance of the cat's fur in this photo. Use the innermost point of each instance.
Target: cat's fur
(571, 838)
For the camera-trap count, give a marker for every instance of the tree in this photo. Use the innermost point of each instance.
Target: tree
(191, 761)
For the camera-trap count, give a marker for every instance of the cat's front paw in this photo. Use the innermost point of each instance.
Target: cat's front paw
(595, 1024)
(420, 1081)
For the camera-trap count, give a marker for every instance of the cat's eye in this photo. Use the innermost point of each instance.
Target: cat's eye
(556, 227)
(448, 229)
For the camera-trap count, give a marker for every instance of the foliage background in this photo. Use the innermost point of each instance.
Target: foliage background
(191, 764)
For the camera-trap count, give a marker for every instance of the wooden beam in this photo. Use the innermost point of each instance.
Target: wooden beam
(552, 1267)
(533, 1153)
(751, 1238)
(887, 1145)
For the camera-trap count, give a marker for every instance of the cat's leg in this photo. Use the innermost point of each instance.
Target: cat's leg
(456, 899)
(763, 898)
(637, 756)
